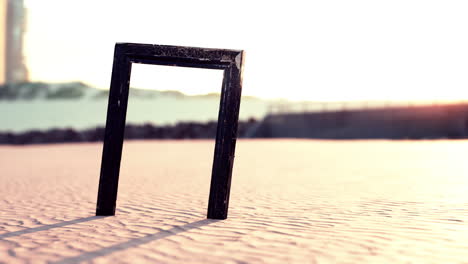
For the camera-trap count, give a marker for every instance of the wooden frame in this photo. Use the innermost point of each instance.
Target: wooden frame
(127, 53)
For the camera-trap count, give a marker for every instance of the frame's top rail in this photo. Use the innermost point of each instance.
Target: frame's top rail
(224, 56)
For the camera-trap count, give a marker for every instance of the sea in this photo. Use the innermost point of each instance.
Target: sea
(24, 115)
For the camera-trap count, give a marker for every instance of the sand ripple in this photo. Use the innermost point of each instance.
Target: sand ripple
(293, 201)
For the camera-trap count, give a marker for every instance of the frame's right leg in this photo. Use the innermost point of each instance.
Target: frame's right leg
(226, 136)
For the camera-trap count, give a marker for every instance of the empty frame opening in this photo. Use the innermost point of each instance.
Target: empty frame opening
(167, 94)
(169, 138)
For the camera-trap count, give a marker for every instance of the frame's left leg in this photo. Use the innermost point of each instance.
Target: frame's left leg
(114, 133)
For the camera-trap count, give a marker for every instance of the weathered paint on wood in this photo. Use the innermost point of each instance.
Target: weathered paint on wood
(125, 54)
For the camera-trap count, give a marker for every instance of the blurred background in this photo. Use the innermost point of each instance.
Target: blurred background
(313, 69)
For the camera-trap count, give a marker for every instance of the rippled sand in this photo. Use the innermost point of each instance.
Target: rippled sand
(292, 201)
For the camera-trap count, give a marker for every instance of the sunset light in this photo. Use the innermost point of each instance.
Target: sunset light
(299, 50)
(207, 131)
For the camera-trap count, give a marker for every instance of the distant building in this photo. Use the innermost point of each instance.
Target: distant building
(3, 19)
(12, 29)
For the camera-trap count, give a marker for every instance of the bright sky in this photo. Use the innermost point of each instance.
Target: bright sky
(315, 50)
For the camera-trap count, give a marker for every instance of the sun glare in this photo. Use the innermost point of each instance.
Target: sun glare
(324, 51)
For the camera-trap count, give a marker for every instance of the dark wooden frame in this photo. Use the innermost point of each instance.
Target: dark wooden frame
(127, 53)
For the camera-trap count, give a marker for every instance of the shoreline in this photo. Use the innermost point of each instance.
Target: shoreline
(181, 130)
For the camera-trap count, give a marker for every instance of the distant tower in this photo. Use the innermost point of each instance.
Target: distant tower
(3, 7)
(15, 70)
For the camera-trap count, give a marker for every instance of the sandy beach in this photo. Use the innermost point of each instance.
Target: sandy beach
(292, 201)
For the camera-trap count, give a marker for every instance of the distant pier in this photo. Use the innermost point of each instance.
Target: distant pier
(404, 121)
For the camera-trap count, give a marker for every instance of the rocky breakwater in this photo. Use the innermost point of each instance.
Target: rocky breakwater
(183, 130)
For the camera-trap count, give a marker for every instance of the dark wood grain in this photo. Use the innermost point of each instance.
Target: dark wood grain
(114, 133)
(230, 61)
(225, 144)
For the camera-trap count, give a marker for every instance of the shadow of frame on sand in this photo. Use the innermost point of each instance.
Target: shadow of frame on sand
(87, 256)
(47, 227)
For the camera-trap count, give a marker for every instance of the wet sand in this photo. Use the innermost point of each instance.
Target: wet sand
(292, 201)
